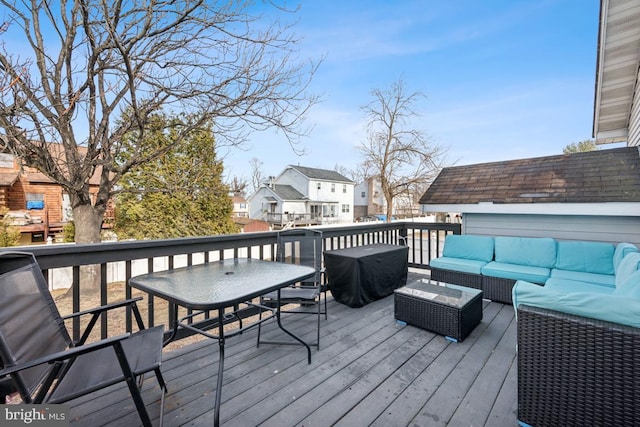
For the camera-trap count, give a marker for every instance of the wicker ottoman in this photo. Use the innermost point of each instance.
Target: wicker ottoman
(446, 309)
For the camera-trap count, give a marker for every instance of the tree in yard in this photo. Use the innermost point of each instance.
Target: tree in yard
(238, 186)
(9, 235)
(177, 194)
(580, 147)
(399, 156)
(257, 176)
(84, 64)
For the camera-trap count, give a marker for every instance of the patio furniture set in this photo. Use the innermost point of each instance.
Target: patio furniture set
(47, 373)
(577, 305)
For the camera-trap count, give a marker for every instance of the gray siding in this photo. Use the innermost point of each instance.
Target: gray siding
(611, 229)
(634, 120)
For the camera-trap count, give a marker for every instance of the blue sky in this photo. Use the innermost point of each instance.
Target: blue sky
(503, 79)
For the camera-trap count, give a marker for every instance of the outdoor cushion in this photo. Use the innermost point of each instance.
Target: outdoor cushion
(622, 250)
(530, 251)
(630, 287)
(516, 272)
(588, 257)
(467, 246)
(612, 308)
(566, 285)
(601, 279)
(629, 265)
(458, 264)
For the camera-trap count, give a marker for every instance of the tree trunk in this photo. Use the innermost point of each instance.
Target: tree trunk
(88, 225)
(389, 207)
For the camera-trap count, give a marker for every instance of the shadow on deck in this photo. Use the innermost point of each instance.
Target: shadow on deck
(370, 370)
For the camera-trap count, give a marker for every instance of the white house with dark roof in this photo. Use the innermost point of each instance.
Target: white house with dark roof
(304, 196)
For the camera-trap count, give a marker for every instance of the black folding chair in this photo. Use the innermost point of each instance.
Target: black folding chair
(302, 247)
(45, 365)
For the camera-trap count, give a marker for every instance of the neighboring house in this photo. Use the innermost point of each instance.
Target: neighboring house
(248, 225)
(588, 196)
(304, 196)
(369, 201)
(616, 115)
(37, 206)
(240, 207)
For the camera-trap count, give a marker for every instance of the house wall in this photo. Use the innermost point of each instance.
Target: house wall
(613, 229)
(294, 206)
(295, 179)
(338, 193)
(634, 119)
(52, 193)
(257, 203)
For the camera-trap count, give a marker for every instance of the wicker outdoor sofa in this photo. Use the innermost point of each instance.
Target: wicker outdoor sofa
(578, 351)
(576, 371)
(494, 264)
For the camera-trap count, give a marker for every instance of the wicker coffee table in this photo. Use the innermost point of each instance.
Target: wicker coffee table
(446, 309)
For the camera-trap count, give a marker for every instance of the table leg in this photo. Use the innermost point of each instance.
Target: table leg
(216, 421)
(175, 325)
(292, 335)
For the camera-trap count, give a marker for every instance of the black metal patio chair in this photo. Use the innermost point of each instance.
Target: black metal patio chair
(302, 247)
(39, 357)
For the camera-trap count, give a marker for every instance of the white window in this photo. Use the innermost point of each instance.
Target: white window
(333, 188)
(319, 186)
(345, 208)
(363, 194)
(344, 188)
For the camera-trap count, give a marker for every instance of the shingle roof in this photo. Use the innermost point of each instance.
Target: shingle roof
(323, 174)
(287, 192)
(591, 177)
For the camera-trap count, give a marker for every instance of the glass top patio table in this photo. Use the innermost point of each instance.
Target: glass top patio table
(218, 285)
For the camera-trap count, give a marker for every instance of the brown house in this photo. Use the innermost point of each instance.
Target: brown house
(37, 205)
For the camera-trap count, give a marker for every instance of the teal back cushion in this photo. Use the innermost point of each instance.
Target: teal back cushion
(588, 257)
(467, 246)
(622, 250)
(530, 251)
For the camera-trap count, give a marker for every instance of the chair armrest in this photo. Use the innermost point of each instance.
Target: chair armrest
(64, 355)
(97, 312)
(103, 308)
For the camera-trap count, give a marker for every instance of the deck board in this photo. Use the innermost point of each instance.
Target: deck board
(370, 370)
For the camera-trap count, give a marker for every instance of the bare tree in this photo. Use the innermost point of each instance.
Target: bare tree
(355, 175)
(257, 176)
(92, 71)
(399, 156)
(238, 186)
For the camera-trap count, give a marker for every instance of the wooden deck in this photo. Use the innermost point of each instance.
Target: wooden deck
(370, 370)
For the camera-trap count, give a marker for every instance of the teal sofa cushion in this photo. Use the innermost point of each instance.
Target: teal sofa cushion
(458, 264)
(612, 308)
(629, 265)
(622, 250)
(630, 287)
(566, 285)
(516, 272)
(601, 279)
(468, 246)
(529, 251)
(588, 257)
